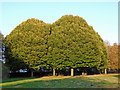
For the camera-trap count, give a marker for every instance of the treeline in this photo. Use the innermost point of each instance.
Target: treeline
(113, 56)
(68, 43)
(4, 69)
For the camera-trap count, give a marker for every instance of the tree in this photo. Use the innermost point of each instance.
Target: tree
(4, 69)
(118, 57)
(26, 45)
(1, 36)
(113, 56)
(75, 44)
(68, 43)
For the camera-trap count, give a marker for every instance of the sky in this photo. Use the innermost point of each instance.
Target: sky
(103, 16)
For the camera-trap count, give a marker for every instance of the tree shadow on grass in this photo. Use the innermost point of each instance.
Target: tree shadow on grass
(116, 76)
(71, 82)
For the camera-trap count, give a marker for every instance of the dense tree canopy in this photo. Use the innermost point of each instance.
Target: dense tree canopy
(78, 43)
(26, 45)
(68, 43)
(113, 56)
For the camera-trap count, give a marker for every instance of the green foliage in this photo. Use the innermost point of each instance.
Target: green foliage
(113, 56)
(1, 36)
(68, 43)
(77, 43)
(26, 45)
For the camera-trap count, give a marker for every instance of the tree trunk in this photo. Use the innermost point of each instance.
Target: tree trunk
(83, 73)
(105, 71)
(53, 71)
(31, 73)
(99, 71)
(72, 72)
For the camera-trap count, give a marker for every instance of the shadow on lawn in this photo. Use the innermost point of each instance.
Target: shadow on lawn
(116, 76)
(15, 79)
(63, 82)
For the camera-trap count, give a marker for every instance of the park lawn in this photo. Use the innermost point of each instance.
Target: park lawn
(89, 81)
(14, 79)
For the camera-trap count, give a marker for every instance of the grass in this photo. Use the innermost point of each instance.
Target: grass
(14, 79)
(90, 81)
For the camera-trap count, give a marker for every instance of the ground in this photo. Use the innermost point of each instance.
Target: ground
(89, 81)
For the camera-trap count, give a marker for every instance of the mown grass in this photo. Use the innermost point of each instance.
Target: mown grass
(14, 79)
(90, 81)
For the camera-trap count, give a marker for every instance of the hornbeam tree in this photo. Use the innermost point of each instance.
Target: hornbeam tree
(26, 45)
(68, 43)
(77, 43)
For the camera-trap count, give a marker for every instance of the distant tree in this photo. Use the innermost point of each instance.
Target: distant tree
(1, 46)
(113, 56)
(107, 43)
(4, 69)
(1, 43)
(1, 38)
(119, 56)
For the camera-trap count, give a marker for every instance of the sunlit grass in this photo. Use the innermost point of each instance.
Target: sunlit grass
(31, 80)
(15, 79)
(89, 81)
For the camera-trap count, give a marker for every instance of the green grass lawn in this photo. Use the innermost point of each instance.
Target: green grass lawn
(90, 81)
(14, 79)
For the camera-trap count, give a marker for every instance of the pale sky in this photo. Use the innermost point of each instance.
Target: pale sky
(103, 16)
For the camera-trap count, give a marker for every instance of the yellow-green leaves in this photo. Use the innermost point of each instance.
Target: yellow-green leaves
(68, 43)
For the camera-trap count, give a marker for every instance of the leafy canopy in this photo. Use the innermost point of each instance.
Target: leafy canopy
(68, 43)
